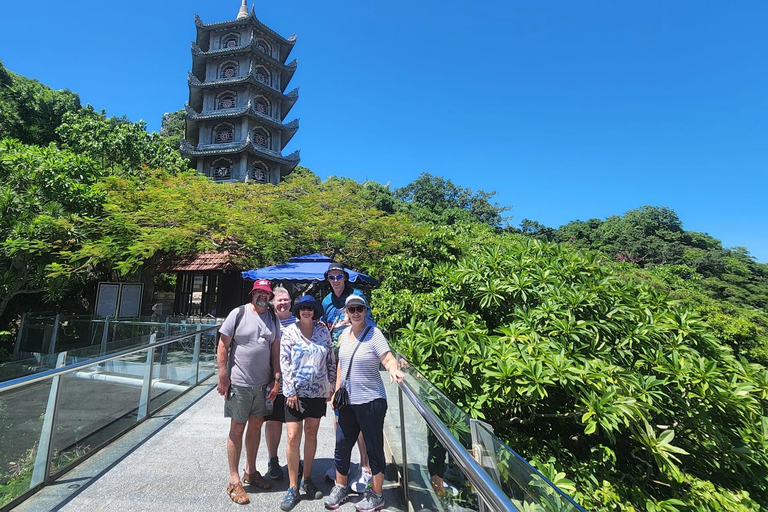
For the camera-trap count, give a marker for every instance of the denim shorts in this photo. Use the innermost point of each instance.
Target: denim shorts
(243, 402)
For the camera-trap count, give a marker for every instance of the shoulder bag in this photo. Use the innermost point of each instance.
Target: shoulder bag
(341, 397)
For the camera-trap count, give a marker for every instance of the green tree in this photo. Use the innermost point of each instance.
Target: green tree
(161, 213)
(46, 197)
(31, 111)
(172, 127)
(118, 144)
(437, 200)
(647, 235)
(537, 230)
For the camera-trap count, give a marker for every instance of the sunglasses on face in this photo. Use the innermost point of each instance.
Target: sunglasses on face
(356, 309)
(306, 308)
(336, 277)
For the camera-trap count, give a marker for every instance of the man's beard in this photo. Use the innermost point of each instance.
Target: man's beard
(260, 302)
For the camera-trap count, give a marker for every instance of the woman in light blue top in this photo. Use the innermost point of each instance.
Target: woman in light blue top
(309, 377)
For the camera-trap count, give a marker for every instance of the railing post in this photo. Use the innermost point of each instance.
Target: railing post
(44, 455)
(476, 476)
(477, 454)
(146, 386)
(196, 354)
(54, 334)
(19, 336)
(402, 444)
(104, 337)
(164, 351)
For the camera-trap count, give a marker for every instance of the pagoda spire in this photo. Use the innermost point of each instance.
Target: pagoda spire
(243, 13)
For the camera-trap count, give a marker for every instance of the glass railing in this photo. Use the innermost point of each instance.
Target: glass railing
(40, 338)
(52, 419)
(449, 461)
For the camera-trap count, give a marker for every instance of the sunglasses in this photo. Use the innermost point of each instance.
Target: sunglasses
(336, 277)
(355, 309)
(306, 308)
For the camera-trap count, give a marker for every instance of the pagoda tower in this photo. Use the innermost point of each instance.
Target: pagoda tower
(237, 101)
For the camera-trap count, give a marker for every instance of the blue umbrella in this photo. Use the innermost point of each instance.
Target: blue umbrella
(304, 269)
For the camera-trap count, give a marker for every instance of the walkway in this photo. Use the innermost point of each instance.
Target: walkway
(178, 463)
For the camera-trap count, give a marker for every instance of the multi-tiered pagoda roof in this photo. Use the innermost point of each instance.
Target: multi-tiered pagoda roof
(237, 101)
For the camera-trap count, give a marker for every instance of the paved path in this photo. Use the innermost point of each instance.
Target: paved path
(176, 461)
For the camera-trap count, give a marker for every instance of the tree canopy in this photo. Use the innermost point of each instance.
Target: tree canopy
(46, 199)
(31, 111)
(627, 392)
(440, 201)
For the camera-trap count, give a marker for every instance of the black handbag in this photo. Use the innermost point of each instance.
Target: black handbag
(341, 397)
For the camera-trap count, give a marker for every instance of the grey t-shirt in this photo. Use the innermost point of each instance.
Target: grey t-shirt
(250, 355)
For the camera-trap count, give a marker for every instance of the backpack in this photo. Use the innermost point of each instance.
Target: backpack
(241, 312)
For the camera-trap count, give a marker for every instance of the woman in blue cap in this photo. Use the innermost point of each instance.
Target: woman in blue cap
(363, 348)
(335, 318)
(308, 366)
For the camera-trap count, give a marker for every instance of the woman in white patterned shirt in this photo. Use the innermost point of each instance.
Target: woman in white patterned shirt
(308, 366)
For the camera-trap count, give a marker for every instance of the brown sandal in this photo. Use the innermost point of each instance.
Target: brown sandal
(256, 479)
(238, 494)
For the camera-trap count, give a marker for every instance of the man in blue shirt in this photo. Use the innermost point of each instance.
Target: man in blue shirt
(333, 303)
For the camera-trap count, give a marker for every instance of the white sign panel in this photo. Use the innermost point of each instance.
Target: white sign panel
(106, 299)
(130, 299)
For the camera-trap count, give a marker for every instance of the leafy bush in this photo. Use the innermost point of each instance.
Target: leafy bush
(571, 361)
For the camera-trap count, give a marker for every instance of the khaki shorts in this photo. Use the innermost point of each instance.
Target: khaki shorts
(243, 402)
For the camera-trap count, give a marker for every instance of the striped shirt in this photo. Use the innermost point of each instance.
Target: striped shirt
(364, 384)
(285, 322)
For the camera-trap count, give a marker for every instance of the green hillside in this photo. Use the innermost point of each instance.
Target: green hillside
(624, 357)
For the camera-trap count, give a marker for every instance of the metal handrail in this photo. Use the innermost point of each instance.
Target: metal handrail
(482, 483)
(540, 475)
(40, 376)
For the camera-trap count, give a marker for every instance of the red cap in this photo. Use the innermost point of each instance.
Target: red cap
(263, 284)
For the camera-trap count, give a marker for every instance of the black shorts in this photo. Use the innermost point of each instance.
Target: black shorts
(313, 408)
(278, 412)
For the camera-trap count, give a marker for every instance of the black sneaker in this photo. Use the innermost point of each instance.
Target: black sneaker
(275, 472)
(309, 488)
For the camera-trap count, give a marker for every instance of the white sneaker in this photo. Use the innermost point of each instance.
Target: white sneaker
(363, 482)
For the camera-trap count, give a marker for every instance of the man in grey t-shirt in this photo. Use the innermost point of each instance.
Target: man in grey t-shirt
(248, 358)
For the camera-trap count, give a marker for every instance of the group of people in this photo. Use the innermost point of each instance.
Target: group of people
(282, 364)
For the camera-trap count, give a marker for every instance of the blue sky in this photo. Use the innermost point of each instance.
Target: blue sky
(568, 110)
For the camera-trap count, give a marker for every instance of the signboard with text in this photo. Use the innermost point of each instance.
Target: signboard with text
(119, 299)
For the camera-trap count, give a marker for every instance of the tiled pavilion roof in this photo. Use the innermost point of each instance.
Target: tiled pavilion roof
(200, 262)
